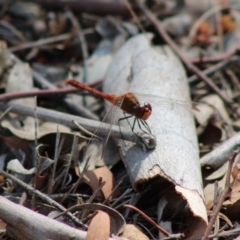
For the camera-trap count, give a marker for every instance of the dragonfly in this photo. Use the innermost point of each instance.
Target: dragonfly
(128, 102)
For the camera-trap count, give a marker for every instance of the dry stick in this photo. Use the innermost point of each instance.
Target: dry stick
(94, 195)
(132, 201)
(44, 93)
(219, 30)
(35, 163)
(163, 231)
(69, 160)
(82, 42)
(217, 58)
(43, 197)
(85, 212)
(14, 30)
(143, 227)
(58, 148)
(121, 198)
(45, 41)
(46, 84)
(40, 42)
(36, 132)
(75, 185)
(67, 119)
(217, 194)
(233, 78)
(224, 194)
(5, 113)
(214, 68)
(128, 191)
(160, 28)
(114, 189)
(226, 233)
(89, 201)
(68, 166)
(134, 15)
(72, 195)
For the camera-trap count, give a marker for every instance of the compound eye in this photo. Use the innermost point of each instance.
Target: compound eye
(148, 106)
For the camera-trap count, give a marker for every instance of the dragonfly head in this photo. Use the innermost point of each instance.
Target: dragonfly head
(147, 111)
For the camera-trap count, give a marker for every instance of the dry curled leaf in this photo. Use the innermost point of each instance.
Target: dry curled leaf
(99, 228)
(106, 176)
(133, 232)
(15, 166)
(117, 221)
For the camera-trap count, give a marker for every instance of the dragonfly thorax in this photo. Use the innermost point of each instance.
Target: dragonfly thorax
(131, 105)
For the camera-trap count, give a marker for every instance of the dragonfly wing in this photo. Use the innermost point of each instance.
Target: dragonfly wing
(100, 137)
(174, 106)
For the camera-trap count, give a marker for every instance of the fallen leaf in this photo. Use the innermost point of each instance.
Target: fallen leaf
(133, 232)
(15, 166)
(117, 221)
(235, 193)
(3, 225)
(99, 227)
(106, 176)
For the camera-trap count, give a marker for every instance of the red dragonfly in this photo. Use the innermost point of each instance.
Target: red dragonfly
(128, 102)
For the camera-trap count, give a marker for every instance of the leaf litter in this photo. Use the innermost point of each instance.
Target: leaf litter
(49, 155)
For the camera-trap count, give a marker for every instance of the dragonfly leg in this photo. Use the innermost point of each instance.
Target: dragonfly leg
(139, 122)
(124, 118)
(144, 123)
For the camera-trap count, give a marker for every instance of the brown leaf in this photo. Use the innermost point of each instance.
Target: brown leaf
(41, 180)
(133, 232)
(235, 193)
(99, 227)
(117, 221)
(2, 180)
(2, 225)
(15, 142)
(99, 175)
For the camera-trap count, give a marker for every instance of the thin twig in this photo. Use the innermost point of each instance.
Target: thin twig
(225, 62)
(45, 41)
(43, 197)
(226, 233)
(219, 28)
(224, 194)
(160, 28)
(129, 190)
(86, 132)
(218, 57)
(89, 200)
(43, 93)
(36, 132)
(44, 83)
(85, 212)
(113, 191)
(35, 162)
(14, 30)
(72, 195)
(58, 147)
(134, 15)
(75, 185)
(163, 231)
(82, 42)
(66, 169)
(5, 113)
(67, 119)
